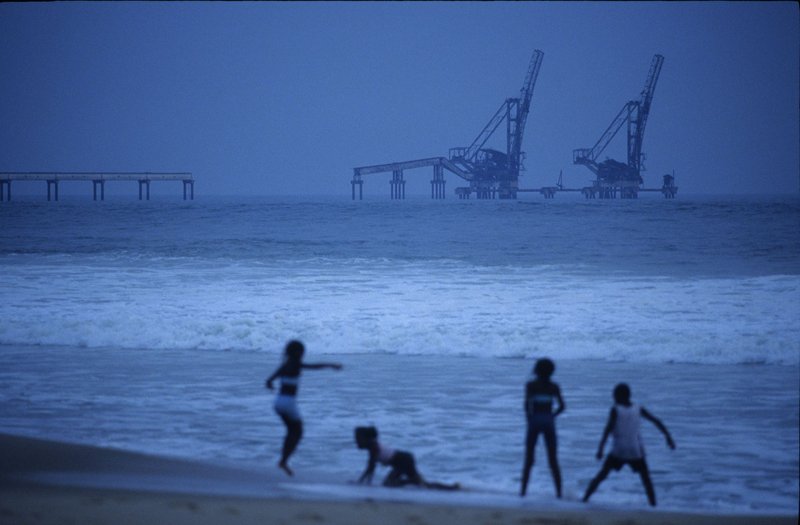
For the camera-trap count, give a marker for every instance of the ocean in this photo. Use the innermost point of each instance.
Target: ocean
(152, 325)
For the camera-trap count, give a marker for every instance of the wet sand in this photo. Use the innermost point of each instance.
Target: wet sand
(44, 482)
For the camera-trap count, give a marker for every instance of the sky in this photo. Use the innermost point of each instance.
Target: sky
(287, 98)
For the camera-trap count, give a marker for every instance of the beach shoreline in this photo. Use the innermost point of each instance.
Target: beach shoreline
(45, 505)
(43, 482)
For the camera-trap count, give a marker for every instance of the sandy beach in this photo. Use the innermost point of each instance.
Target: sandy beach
(44, 482)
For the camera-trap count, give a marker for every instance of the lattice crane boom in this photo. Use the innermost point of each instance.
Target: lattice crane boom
(635, 113)
(526, 93)
(637, 125)
(515, 110)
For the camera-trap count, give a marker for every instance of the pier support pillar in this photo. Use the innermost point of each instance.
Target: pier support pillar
(548, 192)
(357, 181)
(3, 185)
(360, 185)
(144, 182)
(54, 183)
(438, 182)
(102, 184)
(397, 185)
(628, 193)
(190, 185)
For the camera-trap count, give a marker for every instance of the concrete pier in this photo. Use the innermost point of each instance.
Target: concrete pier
(357, 181)
(438, 182)
(98, 179)
(102, 184)
(397, 184)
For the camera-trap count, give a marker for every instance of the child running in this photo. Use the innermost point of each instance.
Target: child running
(286, 400)
(404, 468)
(540, 393)
(624, 422)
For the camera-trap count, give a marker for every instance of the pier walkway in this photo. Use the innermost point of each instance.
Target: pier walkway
(593, 192)
(397, 185)
(98, 180)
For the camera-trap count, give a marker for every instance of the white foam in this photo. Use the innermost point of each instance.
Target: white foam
(409, 308)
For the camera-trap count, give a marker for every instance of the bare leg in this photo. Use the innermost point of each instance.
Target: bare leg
(648, 486)
(393, 479)
(404, 471)
(294, 431)
(552, 458)
(530, 445)
(596, 481)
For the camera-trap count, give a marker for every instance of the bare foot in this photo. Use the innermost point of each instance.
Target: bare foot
(285, 468)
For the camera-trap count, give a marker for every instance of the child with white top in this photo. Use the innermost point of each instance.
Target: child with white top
(623, 424)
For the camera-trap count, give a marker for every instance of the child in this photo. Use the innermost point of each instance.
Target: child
(286, 403)
(539, 396)
(404, 469)
(624, 422)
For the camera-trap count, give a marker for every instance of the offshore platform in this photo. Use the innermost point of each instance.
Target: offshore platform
(491, 173)
(613, 176)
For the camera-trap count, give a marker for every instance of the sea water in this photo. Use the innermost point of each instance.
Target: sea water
(151, 326)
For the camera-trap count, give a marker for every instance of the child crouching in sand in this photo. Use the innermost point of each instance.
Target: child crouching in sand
(404, 469)
(624, 422)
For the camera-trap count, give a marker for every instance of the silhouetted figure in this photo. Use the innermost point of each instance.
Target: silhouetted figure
(540, 393)
(286, 400)
(404, 468)
(623, 423)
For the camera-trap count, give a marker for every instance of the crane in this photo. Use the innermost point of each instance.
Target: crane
(492, 171)
(611, 174)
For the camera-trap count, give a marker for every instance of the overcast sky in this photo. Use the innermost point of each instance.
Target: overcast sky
(286, 98)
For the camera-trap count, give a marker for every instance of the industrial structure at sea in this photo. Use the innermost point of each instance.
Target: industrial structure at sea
(492, 173)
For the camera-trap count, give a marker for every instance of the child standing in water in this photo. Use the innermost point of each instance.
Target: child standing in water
(286, 400)
(540, 393)
(624, 422)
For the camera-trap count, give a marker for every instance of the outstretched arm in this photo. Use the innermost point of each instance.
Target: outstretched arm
(612, 419)
(274, 375)
(318, 366)
(373, 458)
(657, 422)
